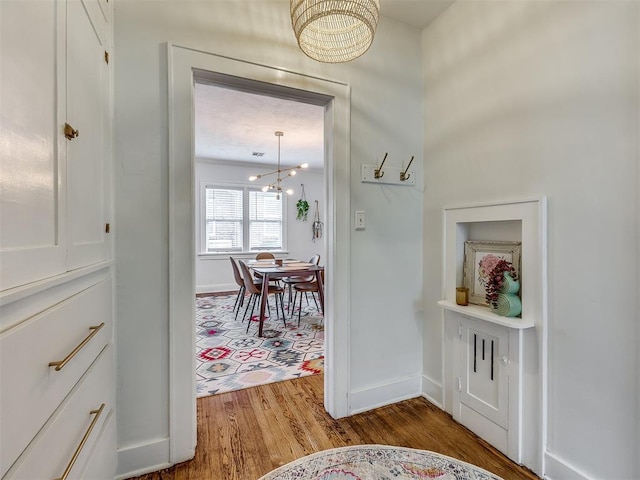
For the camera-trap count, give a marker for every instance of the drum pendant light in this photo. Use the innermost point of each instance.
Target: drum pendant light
(334, 31)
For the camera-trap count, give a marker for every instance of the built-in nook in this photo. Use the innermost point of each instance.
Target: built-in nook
(494, 366)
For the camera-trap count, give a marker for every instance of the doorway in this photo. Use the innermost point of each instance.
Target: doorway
(241, 134)
(184, 66)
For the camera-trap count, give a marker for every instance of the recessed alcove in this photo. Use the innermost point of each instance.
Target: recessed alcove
(494, 377)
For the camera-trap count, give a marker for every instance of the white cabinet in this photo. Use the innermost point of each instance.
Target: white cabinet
(56, 368)
(57, 402)
(54, 191)
(31, 389)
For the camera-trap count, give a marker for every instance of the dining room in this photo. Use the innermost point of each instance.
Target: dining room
(252, 196)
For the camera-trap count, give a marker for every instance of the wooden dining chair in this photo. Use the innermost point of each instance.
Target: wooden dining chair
(256, 294)
(306, 288)
(290, 281)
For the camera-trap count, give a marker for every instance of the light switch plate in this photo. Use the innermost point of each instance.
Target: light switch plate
(360, 220)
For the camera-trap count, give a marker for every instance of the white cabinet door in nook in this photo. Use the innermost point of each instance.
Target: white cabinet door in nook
(483, 380)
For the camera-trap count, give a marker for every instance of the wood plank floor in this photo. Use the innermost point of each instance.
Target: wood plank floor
(245, 434)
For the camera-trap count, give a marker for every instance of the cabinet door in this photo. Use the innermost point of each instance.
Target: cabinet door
(32, 176)
(88, 112)
(484, 379)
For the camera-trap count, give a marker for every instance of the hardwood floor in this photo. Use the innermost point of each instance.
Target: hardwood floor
(245, 434)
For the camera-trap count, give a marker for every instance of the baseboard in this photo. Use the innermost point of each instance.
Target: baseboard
(432, 391)
(558, 469)
(384, 394)
(220, 287)
(143, 458)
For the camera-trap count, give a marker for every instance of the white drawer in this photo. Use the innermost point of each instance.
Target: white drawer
(53, 448)
(103, 460)
(30, 389)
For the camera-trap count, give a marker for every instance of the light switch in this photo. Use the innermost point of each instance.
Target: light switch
(360, 220)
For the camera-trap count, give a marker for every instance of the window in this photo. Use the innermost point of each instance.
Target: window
(242, 219)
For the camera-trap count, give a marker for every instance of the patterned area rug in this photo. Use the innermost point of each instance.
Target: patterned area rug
(229, 359)
(378, 462)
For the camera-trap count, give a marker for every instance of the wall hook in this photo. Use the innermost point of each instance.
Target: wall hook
(403, 175)
(378, 173)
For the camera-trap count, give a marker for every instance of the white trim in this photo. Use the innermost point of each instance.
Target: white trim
(483, 313)
(220, 287)
(557, 469)
(25, 302)
(386, 393)
(184, 64)
(432, 391)
(24, 291)
(143, 458)
(526, 445)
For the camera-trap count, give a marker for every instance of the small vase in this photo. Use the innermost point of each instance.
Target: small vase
(462, 296)
(508, 305)
(509, 285)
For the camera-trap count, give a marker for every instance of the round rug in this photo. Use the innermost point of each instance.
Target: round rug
(378, 462)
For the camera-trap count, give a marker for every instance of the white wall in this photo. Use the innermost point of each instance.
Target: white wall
(386, 258)
(213, 272)
(526, 98)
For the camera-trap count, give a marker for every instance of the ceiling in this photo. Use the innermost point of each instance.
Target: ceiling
(417, 13)
(232, 125)
(235, 126)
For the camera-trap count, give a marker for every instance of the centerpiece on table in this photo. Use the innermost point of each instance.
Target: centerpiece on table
(502, 289)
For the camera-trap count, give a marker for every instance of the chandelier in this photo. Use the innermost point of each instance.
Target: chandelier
(334, 31)
(290, 172)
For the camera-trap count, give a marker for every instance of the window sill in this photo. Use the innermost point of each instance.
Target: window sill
(226, 255)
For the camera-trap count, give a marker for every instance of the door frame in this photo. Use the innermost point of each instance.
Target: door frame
(184, 66)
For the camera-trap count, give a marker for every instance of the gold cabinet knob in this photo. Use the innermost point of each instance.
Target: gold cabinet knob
(69, 132)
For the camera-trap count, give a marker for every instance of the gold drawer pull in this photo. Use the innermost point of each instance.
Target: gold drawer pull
(76, 454)
(60, 364)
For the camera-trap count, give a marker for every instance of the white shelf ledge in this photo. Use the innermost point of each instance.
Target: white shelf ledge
(483, 313)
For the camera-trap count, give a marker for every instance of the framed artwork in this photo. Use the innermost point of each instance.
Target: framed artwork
(479, 260)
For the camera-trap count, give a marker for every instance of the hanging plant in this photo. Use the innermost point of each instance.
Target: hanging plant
(302, 206)
(317, 224)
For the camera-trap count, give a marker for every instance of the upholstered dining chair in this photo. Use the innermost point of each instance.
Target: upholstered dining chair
(306, 288)
(240, 281)
(266, 256)
(290, 281)
(256, 293)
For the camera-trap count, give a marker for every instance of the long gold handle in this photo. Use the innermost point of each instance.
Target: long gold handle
(60, 364)
(76, 454)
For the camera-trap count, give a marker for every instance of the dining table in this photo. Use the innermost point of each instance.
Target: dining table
(276, 269)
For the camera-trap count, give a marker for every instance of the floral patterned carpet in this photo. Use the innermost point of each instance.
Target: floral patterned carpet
(378, 462)
(229, 359)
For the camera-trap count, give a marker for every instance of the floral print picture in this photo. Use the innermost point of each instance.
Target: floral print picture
(485, 262)
(480, 258)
